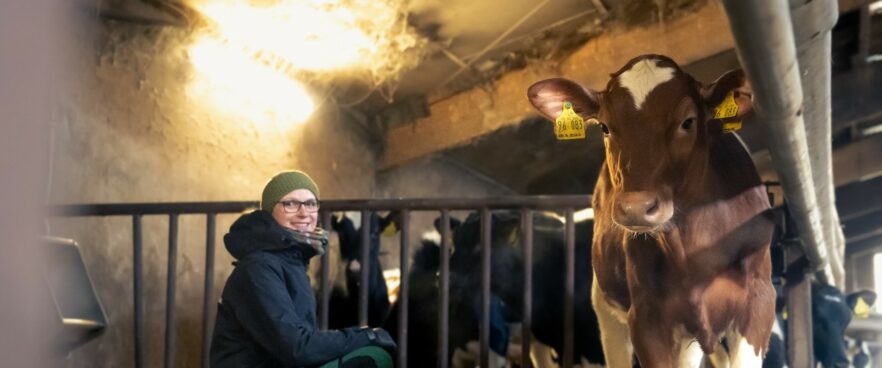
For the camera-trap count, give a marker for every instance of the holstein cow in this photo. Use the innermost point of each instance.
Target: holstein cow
(343, 306)
(831, 313)
(682, 222)
(549, 255)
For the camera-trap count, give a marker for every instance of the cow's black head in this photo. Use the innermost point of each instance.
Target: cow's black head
(831, 313)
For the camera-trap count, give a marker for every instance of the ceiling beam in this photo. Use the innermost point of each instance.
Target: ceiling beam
(849, 5)
(863, 246)
(858, 161)
(857, 97)
(859, 199)
(863, 227)
(468, 115)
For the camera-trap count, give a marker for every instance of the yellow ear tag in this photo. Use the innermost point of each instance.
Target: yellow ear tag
(862, 309)
(727, 109)
(569, 125)
(784, 315)
(390, 230)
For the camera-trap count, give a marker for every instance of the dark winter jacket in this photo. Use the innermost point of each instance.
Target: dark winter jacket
(266, 315)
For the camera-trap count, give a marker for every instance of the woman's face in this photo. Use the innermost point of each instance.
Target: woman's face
(301, 219)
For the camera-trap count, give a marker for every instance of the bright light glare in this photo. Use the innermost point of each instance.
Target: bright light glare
(586, 214)
(875, 7)
(237, 84)
(311, 35)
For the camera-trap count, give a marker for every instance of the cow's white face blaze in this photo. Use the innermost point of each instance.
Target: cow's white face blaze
(642, 78)
(655, 122)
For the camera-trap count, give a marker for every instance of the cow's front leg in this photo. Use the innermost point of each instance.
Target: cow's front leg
(614, 334)
(654, 344)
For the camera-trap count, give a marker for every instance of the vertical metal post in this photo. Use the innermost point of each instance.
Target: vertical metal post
(403, 288)
(170, 290)
(569, 287)
(800, 352)
(138, 289)
(208, 290)
(485, 286)
(527, 246)
(325, 283)
(444, 292)
(365, 268)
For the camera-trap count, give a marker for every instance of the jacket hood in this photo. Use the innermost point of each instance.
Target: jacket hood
(258, 231)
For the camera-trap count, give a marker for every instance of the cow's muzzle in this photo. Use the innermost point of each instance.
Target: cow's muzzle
(641, 211)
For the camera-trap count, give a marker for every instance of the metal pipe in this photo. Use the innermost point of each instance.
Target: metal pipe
(800, 352)
(403, 288)
(763, 35)
(812, 25)
(170, 290)
(138, 289)
(365, 268)
(325, 283)
(208, 289)
(569, 287)
(416, 204)
(485, 286)
(527, 323)
(444, 292)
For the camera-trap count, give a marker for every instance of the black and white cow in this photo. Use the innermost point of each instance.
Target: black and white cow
(549, 250)
(832, 311)
(343, 306)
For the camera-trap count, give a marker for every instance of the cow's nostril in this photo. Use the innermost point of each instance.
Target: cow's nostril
(653, 208)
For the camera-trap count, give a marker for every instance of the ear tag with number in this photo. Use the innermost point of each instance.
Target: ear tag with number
(727, 109)
(569, 125)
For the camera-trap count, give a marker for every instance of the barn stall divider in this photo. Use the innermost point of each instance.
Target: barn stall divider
(525, 205)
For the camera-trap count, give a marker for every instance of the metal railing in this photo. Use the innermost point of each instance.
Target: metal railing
(524, 204)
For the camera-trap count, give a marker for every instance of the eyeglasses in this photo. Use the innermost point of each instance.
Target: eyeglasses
(293, 206)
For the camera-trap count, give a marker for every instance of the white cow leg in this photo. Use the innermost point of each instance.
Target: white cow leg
(541, 355)
(741, 353)
(691, 355)
(719, 358)
(614, 332)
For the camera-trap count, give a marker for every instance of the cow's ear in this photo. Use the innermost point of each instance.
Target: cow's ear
(390, 224)
(860, 302)
(548, 97)
(734, 81)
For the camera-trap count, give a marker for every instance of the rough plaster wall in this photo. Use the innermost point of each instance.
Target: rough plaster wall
(128, 132)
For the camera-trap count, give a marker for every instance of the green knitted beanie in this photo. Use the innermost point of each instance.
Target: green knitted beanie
(282, 184)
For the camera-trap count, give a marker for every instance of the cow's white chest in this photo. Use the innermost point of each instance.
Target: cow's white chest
(643, 77)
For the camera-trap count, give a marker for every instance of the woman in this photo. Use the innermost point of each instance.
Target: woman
(266, 316)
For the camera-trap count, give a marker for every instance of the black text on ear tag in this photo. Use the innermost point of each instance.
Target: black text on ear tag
(569, 125)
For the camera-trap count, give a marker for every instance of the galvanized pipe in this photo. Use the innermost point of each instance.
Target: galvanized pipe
(170, 288)
(444, 292)
(138, 289)
(486, 231)
(403, 288)
(208, 290)
(569, 288)
(812, 23)
(325, 283)
(415, 204)
(764, 38)
(527, 323)
(365, 268)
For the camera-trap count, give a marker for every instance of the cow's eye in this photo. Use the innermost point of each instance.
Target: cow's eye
(604, 128)
(687, 124)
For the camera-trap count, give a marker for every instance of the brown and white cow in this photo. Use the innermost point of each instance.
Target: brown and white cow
(682, 221)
